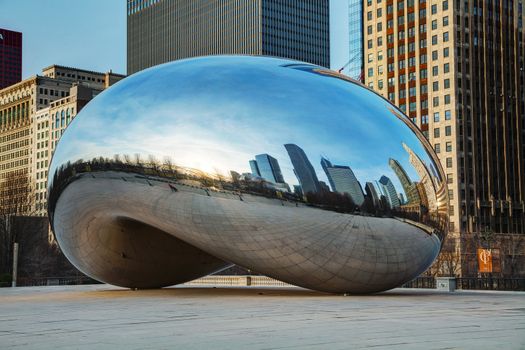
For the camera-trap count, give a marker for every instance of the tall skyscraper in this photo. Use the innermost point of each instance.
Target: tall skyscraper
(408, 186)
(10, 57)
(372, 193)
(343, 180)
(390, 192)
(255, 168)
(355, 43)
(269, 168)
(456, 68)
(303, 169)
(164, 30)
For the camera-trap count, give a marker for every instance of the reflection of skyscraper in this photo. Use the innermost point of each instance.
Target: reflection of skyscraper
(255, 168)
(389, 191)
(343, 180)
(408, 186)
(269, 168)
(424, 176)
(372, 193)
(303, 169)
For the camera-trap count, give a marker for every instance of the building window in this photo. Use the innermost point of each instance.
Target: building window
(402, 94)
(446, 83)
(450, 194)
(424, 104)
(437, 148)
(434, 39)
(391, 81)
(370, 57)
(380, 41)
(380, 69)
(369, 15)
(390, 67)
(435, 86)
(379, 12)
(448, 130)
(380, 55)
(379, 27)
(434, 24)
(448, 146)
(412, 106)
(423, 58)
(449, 162)
(423, 74)
(445, 5)
(446, 67)
(411, 61)
(389, 9)
(450, 179)
(380, 84)
(424, 120)
(391, 96)
(447, 99)
(390, 52)
(390, 38)
(422, 13)
(412, 91)
(369, 30)
(445, 37)
(370, 44)
(436, 117)
(434, 9)
(436, 132)
(424, 89)
(445, 52)
(435, 101)
(447, 115)
(435, 71)
(422, 28)
(370, 72)
(445, 21)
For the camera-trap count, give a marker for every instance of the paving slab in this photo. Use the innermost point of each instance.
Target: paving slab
(107, 317)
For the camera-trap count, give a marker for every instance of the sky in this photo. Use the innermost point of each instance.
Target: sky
(91, 34)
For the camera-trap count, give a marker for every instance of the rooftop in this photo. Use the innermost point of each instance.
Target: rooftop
(102, 316)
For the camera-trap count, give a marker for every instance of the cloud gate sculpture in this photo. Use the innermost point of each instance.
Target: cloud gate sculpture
(285, 168)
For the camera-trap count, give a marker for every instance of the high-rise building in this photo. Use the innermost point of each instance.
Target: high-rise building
(343, 180)
(10, 57)
(390, 192)
(160, 31)
(29, 130)
(408, 186)
(355, 43)
(372, 194)
(269, 168)
(456, 69)
(303, 169)
(255, 168)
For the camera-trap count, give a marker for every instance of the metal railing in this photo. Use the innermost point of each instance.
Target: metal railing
(54, 281)
(472, 283)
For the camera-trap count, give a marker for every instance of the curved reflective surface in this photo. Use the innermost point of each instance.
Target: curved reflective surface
(282, 167)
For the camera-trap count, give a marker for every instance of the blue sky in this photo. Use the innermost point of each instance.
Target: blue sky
(91, 34)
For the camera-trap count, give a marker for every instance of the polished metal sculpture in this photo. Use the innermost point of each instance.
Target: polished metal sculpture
(282, 167)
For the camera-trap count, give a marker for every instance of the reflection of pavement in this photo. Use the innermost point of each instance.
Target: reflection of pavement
(105, 317)
(315, 248)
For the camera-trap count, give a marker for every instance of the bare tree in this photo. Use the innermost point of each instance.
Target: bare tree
(16, 199)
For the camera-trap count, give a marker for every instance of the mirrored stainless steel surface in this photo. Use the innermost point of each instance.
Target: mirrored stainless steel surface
(282, 167)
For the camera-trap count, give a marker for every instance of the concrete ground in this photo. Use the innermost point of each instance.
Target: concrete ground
(102, 316)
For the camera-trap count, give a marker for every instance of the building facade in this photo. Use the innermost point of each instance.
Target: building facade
(28, 133)
(355, 43)
(269, 168)
(10, 57)
(303, 169)
(456, 69)
(160, 31)
(343, 180)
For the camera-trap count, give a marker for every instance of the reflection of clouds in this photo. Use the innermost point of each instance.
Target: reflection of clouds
(215, 117)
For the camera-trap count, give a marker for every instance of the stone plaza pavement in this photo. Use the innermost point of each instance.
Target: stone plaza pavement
(106, 317)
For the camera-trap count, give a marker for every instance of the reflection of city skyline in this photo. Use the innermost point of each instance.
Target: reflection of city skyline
(380, 191)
